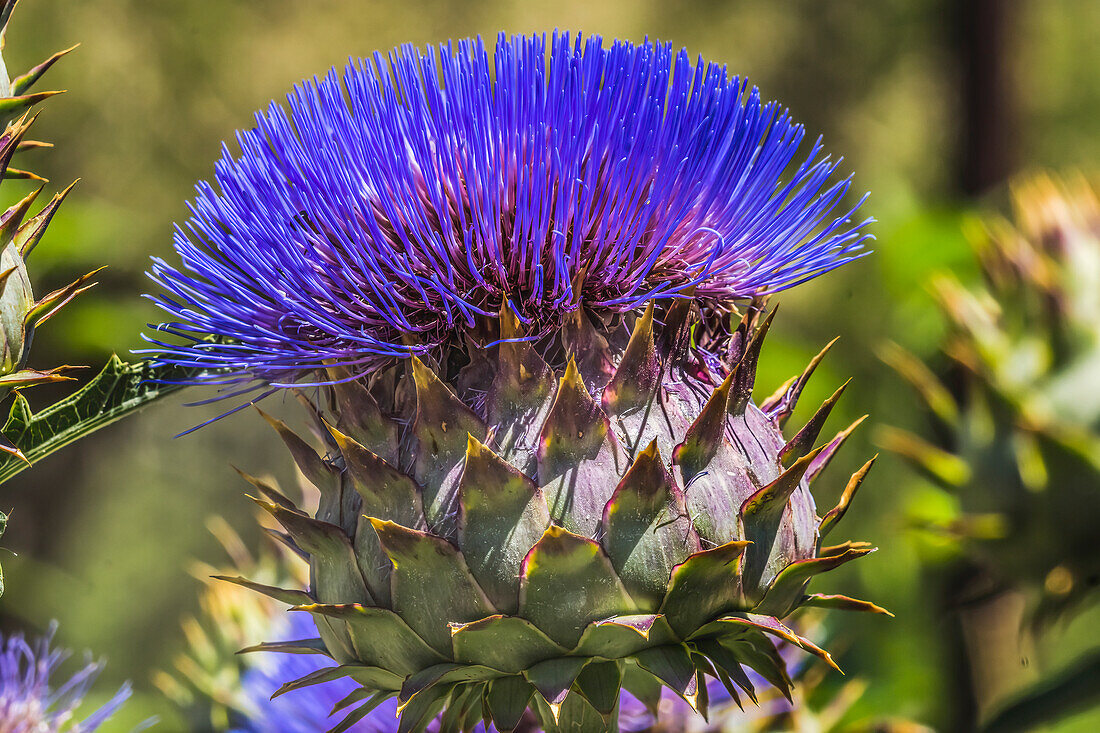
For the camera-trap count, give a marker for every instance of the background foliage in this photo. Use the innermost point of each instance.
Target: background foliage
(105, 531)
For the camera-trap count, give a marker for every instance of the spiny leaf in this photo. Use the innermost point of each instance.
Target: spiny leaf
(519, 397)
(441, 426)
(577, 455)
(362, 711)
(386, 492)
(703, 586)
(418, 713)
(676, 334)
(820, 600)
(804, 440)
(22, 175)
(599, 682)
(554, 677)
(120, 389)
(22, 83)
(644, 686)
(786, 591)
(745, 378)
(773, 626)
(316, 677)
(727, 663)
(293, 646)
(12, 218)
(507, 699)
(445, 673)
(672, 665)
(830, 450)
(379, 636)
(619, 637)
(431, 583)
(10, 106)
(503, 514)
(588, 350)
(646, 529)
(762, 518)
(362, 419)
(638, 374)
(705, 435)
(286, 595)
(759, 654)
(835, 514)
(313, 467)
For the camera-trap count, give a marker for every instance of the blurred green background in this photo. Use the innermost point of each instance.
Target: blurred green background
(931, 102)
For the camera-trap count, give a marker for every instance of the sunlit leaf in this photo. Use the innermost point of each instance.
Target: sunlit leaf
(120, 389)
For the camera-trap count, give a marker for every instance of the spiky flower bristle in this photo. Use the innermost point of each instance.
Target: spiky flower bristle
(397, 205)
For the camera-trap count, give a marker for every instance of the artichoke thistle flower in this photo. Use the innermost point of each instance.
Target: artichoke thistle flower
(512, 281)
(32, 702)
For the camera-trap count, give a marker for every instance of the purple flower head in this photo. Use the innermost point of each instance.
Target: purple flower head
(396, 204)
(30, 702)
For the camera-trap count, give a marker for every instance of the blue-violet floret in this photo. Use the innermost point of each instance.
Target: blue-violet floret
(396, 204)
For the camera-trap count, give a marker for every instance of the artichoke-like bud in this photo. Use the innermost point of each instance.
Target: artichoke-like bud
(16, 301)
(20, 233)
(1022, 424)
(120, 388)
(543, 475)
(222, 689)
(541, 551)
(20, 312)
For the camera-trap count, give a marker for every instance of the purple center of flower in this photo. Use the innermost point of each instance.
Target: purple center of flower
(402, 201)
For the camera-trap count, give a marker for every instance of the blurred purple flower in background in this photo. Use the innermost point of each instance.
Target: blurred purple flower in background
(30, 702)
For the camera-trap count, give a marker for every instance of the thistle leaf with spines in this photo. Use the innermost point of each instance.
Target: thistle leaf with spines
(120, 389)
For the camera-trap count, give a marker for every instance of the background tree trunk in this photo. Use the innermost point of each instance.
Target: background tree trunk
(985, 33)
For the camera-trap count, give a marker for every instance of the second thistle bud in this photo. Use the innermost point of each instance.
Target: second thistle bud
(20, 312)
